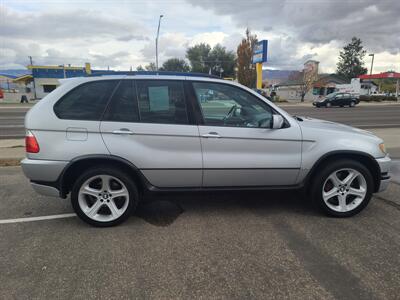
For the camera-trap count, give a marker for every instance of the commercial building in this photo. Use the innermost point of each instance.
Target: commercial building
(46, 78)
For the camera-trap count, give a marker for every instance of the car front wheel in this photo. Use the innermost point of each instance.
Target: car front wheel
(328, 104)
(104, 196)
(352, 104)
(343, 188)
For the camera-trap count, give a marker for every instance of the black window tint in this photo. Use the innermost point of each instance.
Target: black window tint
(123, 106)
(86, 102)
(161, 101)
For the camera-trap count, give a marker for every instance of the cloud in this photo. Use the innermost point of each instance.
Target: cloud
(73, 24)
(318, 22)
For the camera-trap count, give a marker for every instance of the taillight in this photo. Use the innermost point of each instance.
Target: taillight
(31, 144)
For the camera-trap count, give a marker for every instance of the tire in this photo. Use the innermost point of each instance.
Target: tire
(339, 199)
(352, 104)
(328, 105)
(104, 196)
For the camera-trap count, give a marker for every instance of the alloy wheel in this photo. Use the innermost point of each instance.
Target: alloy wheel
(344, 190)
(103, 198)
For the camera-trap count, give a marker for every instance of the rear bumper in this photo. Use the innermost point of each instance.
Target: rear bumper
(42, 170)
(43, 175)
(45, 190)
(384, 164)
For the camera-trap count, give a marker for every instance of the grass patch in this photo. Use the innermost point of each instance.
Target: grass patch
(10, 162)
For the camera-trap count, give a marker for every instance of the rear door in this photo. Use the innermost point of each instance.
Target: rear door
(239, 146)
(147, 123)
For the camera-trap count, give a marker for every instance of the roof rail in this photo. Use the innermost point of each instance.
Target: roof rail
(170, 73)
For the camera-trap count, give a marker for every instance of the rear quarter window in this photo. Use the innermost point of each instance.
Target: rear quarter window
(85, 102)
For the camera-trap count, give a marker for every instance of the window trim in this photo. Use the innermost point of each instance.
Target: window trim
(80, 85)
(199, 111)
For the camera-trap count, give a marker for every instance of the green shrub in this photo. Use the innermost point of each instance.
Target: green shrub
(377, 98)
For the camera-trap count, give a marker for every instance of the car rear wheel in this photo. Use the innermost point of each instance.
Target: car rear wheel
(104, 196)
(343, 188)
(328, 104)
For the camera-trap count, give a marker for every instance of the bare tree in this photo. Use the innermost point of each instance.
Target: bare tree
(306, 79)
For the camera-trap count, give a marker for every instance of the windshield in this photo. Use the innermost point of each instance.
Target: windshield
(331, 95)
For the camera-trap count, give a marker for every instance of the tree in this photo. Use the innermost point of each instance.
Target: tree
(140, 68)
(246, 70)
(307, 83)
(198, 56)
(221, 61)
(351, 64)
(176, 65)
(217, 60)
(151, 67)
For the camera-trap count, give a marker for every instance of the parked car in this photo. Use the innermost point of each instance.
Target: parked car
(1, 94)
(107, 141)
(337, 99)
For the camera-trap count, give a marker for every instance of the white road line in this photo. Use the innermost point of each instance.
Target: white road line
(32, 219)
(375, 125)
(12, 126)
(12, 118)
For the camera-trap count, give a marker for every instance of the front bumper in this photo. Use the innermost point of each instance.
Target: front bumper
(384, 164)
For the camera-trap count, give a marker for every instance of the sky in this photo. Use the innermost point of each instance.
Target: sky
(121, 34)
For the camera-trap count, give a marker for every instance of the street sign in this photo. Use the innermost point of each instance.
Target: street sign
(260, 52)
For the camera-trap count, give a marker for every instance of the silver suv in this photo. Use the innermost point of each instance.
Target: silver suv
(108, 140)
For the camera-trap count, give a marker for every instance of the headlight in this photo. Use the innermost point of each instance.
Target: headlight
(382, 147)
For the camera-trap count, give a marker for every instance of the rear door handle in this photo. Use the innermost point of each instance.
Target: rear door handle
(122, 131)
(211, 135)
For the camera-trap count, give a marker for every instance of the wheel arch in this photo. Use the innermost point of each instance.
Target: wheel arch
(364, 158)
(78, 165)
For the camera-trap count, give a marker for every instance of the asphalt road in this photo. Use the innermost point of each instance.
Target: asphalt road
(383, 116)
(220, 245)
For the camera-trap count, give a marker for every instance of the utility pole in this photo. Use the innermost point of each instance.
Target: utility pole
(34, 85)
(158, 33)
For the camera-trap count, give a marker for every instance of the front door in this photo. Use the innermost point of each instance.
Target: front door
(239, 147)
(147, 123)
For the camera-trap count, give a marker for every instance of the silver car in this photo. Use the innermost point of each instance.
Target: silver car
(108, 140)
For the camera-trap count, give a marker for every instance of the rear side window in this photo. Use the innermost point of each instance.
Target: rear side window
(161, 101)
(123, 106)
(85, 102)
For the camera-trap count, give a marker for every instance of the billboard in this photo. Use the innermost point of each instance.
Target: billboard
(260, 52)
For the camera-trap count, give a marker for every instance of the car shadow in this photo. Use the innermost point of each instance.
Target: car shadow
(163, 210)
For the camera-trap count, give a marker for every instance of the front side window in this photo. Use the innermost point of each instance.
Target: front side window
(161, 101)
(86, 102)
(226, 105)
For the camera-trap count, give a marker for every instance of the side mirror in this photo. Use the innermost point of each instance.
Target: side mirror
(277, 121)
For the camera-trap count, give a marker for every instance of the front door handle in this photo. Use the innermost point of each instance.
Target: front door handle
(122, 131)
(211, 135)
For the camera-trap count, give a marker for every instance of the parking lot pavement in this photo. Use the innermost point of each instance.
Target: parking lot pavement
(219, 245)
